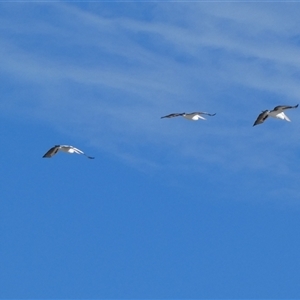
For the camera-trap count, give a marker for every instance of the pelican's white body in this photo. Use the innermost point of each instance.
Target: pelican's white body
(279, 115)
(193, 117)
(70, 149)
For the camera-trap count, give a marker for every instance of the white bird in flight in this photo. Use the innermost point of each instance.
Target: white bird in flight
(277, 112)
(194, 116)
(65, 148)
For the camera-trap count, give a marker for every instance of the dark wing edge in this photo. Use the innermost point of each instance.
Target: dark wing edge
(90, 157)
(284, 107)
(51, 152)
(202, 113)
(261, 118)
(173, 115)
(205, 113)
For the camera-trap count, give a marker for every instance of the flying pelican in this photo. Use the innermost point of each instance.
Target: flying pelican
(194, 116)
(277, 112)
(65, 148)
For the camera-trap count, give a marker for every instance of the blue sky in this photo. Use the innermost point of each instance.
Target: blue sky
(169, 208)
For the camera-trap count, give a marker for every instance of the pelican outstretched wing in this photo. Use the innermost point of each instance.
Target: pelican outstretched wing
(51, 152)
(284, 107)
(202, 113)
(261, 117)
(173, 115)
(78, 151)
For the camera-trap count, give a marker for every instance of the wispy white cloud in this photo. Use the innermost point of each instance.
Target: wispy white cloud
(114, 75)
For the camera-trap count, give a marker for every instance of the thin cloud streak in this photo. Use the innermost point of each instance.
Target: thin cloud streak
(159, 67)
